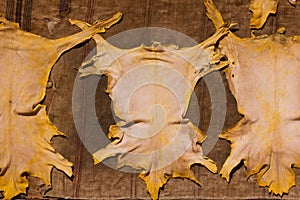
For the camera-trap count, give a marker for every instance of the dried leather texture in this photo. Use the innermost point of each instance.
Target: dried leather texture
(261, 9)
(25, 148)
(263, 76)
(150, 88)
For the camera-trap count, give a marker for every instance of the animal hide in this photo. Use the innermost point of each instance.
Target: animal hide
(25, 130)
(150, 88)
(263, 76)
(261, 9)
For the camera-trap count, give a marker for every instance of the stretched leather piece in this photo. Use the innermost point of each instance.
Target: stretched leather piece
(263, 76)
(150, 87)
(261, 9)
(25, 130)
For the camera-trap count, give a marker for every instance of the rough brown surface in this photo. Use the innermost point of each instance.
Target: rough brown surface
(188, 17)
